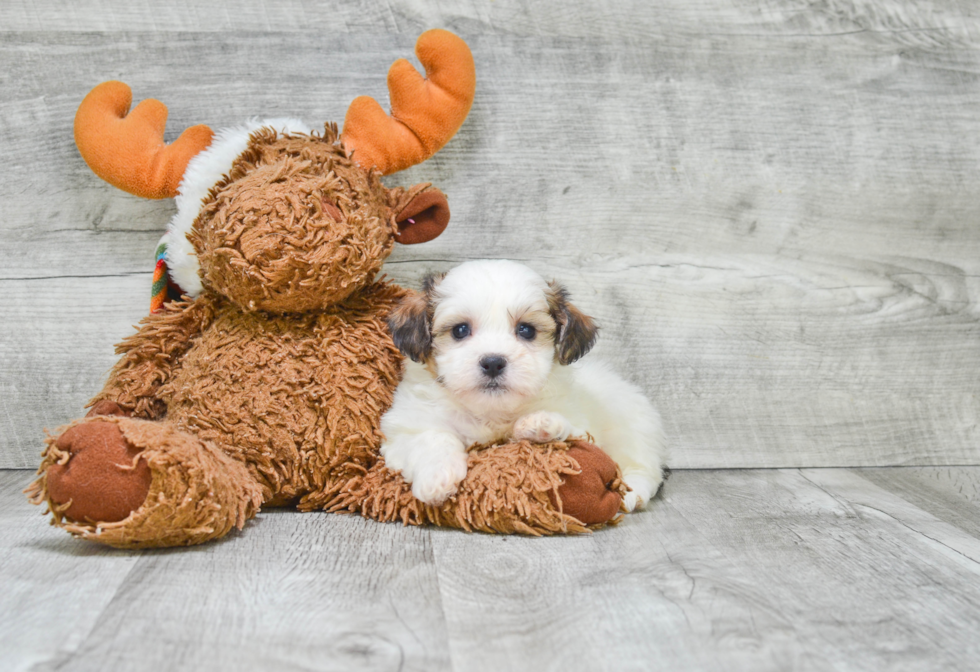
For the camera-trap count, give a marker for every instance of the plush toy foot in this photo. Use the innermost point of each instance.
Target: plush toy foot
(103, 479)
(594, 495)
(139, 484)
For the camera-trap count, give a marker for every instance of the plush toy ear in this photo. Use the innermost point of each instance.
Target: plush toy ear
(421, 213)
(576, 332)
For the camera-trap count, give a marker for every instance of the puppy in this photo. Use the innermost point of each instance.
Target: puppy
(491, 346)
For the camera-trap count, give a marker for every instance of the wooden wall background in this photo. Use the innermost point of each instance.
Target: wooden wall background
(770, 205)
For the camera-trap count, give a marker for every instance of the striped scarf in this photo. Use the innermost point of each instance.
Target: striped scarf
(164, 289)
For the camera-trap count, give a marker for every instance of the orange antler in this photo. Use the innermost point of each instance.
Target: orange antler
(127, 150)
(425, 112)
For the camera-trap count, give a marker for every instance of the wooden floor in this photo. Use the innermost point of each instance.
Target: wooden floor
(794, 569)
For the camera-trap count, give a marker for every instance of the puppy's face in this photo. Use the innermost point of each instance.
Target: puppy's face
(491, 331)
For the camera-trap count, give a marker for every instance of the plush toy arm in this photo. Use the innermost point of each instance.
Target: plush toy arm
(151, 357)
(536, 489)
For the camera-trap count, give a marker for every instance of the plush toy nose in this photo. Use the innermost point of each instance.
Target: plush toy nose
(493, 365)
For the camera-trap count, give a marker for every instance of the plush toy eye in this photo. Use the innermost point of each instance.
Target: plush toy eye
(526, 331)
(333, 211)
(461, 331)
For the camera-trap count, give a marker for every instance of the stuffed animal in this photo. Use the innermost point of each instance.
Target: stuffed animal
(264, 383)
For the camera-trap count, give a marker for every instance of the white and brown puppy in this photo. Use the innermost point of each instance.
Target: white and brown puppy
(491, 346)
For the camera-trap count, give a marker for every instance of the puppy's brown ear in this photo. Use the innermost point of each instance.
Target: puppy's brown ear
(410, 327)
(410, 322)
(575, 332)
(429, 284)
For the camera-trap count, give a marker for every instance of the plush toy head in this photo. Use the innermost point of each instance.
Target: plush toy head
(297, 225)
(271, 216)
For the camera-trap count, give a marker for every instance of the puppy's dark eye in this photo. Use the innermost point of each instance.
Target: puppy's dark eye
(461, 331)
(526, 331)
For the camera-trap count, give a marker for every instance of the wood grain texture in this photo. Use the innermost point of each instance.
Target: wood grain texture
(36, 622)
(294, 592)
(769, 206)
(734, 570)
(754, 570)
(951, 494)
(922, 23)
(290, 592)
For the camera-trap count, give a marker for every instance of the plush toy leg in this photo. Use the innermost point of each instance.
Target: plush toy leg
(555, 488)
(137, 484)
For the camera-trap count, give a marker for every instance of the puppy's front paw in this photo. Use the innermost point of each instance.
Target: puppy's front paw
(542, 426)
(437, 481)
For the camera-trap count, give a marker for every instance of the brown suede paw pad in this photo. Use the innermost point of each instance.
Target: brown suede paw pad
(593, 495)
(102, 479)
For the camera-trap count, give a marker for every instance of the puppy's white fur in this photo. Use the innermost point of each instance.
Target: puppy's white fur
(446, 400)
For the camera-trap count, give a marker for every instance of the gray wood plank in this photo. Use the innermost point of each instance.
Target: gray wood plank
(734, 570)
(676, 146)
(292, 591)
(875, 501)
(951, 494)
(197, 16)
(737, 381)
(52, 588)
(770, 207)
(56, 347)
(737, 570)
(919, 24)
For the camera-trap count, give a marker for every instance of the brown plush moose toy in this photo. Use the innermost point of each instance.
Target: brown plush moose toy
(265, 382)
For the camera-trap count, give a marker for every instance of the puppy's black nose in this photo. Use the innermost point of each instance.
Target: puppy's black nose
(493, 365)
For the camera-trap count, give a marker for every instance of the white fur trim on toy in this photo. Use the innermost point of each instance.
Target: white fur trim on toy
(203, 172)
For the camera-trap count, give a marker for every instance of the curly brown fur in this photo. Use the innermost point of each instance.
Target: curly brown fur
(151, 356)
(298, 398)
(511, 488)
(268, 237)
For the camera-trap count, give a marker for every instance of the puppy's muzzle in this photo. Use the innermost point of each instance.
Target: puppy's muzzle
(493, 366)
